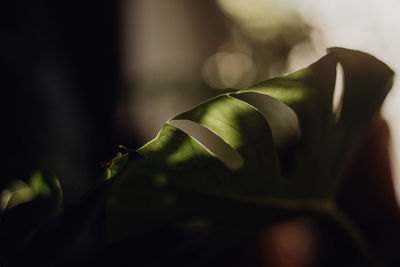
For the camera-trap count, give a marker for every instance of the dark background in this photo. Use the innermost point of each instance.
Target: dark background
(60, 80)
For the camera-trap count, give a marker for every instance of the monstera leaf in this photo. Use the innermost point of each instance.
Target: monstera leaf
(183, 186)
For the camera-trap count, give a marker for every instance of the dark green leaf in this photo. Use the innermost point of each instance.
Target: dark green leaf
(178, 179)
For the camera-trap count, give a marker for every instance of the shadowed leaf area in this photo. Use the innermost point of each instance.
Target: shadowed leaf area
(304, 177)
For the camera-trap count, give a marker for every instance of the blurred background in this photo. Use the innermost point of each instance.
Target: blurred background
(81, 77)
(177, 53)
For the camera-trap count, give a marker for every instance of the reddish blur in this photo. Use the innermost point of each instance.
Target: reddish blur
(366, 196)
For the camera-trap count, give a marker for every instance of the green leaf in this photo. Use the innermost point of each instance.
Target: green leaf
(39, 186)
(27, 207)
(367, 81)
(116, 165)
(179, 179)
(16, 193)
(309, 93)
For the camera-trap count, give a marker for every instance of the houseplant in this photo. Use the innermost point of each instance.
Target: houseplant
(173, 202)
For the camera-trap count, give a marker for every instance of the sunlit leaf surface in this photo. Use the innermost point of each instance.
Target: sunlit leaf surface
(179, 179)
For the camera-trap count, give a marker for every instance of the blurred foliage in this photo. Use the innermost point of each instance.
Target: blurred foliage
(173, 202)
(27, 207)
